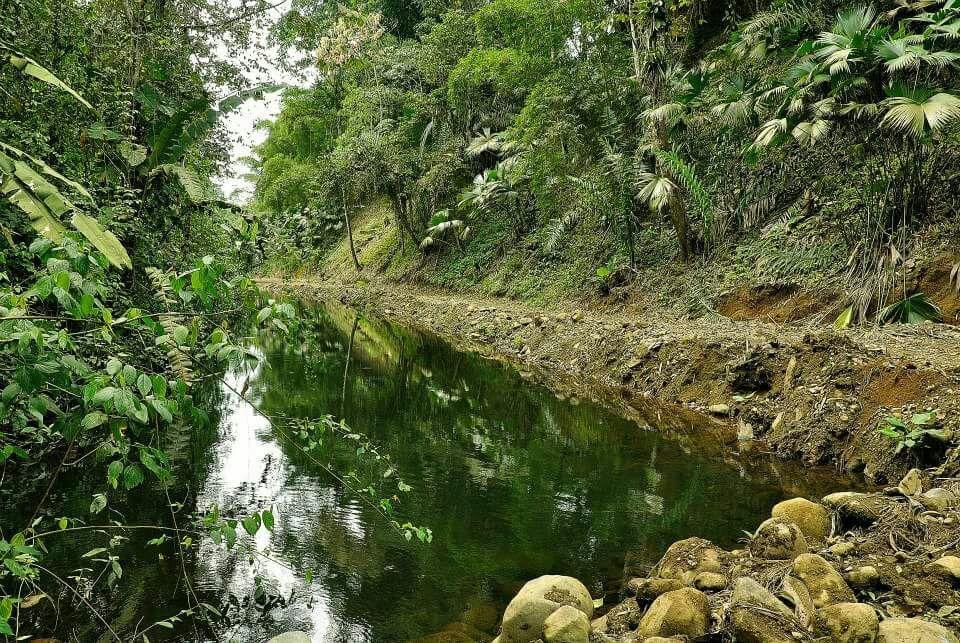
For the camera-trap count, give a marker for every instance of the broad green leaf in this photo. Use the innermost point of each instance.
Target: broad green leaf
(93, 420)
(132, 476)
(30, 67)
(144, 384)
(103, 240)
(132, 153)
(113, 473)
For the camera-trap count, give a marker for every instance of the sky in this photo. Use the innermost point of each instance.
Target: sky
(241, 123)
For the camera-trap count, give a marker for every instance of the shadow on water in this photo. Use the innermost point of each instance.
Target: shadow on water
(514, 481)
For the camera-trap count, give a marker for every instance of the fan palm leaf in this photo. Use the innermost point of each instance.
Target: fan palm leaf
(656, 190)
(919, 111)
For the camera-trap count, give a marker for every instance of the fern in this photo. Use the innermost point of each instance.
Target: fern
(197, 189)
(560, 228)
(180, 361)
(684, 174)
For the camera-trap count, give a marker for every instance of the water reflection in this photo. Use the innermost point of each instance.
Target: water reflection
(513, 481)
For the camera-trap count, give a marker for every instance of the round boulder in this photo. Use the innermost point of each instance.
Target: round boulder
(913, 630)
(778, 539)
(757, 616)
(685, 559)
(684, 612)
(946, 566)
(710, 582)
(812, 519)
(825, 583)
(847, 623)
(859, 508)
(524, 617)
(566, 625)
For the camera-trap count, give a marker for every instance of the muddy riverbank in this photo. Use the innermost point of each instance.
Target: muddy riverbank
(803, 392)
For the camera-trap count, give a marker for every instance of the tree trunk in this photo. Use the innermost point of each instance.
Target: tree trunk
(678, 216)
(346, 222)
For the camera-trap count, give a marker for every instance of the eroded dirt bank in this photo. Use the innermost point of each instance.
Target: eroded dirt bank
(801, 392)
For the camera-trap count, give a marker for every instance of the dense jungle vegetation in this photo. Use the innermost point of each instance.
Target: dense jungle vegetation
(518, 146)
(515, 146)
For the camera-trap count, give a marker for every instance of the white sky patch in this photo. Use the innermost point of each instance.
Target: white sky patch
(241, 124)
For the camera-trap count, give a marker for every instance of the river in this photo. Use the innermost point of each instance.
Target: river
(513, 480)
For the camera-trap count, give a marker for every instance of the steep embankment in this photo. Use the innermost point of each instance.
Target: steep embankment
(803, 391)
(763, 360)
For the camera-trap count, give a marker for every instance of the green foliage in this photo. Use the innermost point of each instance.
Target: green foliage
(915, 434)
(911, 310)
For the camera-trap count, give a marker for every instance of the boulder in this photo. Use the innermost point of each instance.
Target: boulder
(912, 483)
(938, 499)
(621, 619)
(796, 595)
(842, 548)
(757, 616)
(719, 409)
(710, 582)
(683, 612)
(291, 637)
(847, 623)
(566, 625)
(650, 588)
(524, 617)
(778, 539)
(749, 593)
(913, 630)
(685, 559)
(825, 583)
(863, 577)
(946, 566)
(858, 508)
(813, 519)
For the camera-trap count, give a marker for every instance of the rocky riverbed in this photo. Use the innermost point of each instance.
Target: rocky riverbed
(853, 568)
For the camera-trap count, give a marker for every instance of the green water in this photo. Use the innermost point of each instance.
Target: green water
(514, 482)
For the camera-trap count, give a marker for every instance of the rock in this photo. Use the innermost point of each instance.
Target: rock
(858, 508)
(719, 409)
(757, 616)
(826, 585)
(913, 630)
(457, 632)
(863, 577)
(789, 373)
(683, 612)
(847, 623)
(749, 593)
(291, 637)
(778, 539)
(946, 566)
(650, 588)
(841, 549)
(795, 594)
(812, 519)
(912, 483)
(938, 499)
(566, 625)
(621, 619)
(524, 617)
(685, 559)
(710, 582)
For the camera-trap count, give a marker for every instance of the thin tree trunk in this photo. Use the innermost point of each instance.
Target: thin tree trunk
(346, 222)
